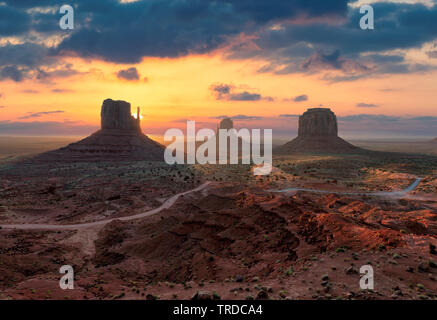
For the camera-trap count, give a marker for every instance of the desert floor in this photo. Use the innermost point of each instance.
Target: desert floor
(236, 237)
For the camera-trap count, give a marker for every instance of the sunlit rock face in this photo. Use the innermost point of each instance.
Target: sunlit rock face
(318, 133)
(318, 122)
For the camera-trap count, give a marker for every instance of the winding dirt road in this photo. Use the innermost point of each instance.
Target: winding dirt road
(391, 194)
(171, 201)
(166, 205)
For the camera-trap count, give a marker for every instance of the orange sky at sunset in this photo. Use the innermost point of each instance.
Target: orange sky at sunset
(179, 87)
(401, 85)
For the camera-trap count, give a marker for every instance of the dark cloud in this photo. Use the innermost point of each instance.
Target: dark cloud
(172, 28)
(2, 107)
(31, 115)
(61, 71)
(221, 90)
(384, 58)
(343, 49)
(244, 96)
(130, 74)
(25, 55)
(13, 22)
(31, 61)
(11, 72)
(307, 37)
(301, 98)
(244, 117)
(160, 28)
(228, 92)
(366, 105)
(59, 90)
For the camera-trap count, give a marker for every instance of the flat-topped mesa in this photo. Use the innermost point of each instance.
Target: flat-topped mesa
(318, 133)
(318, 122)
(116, 115)
(120, 138)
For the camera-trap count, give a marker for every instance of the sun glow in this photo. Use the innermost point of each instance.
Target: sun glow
(136, 116)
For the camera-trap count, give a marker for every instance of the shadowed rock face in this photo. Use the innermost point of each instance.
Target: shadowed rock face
(318, 122)
(318, 133)
(117, 115)
(120, 138)
(226, 124)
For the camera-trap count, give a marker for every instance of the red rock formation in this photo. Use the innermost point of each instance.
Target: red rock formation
(120, 138)
(318, 133)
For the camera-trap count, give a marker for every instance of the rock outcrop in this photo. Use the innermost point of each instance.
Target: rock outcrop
(120, 138)
(226, 124)
(318, 133)
(117, 115)
(318, 122)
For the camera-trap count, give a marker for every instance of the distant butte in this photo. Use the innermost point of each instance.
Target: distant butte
(318, 133)
(120, 138)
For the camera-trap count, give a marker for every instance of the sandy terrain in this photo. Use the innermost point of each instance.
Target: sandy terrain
(232, 237)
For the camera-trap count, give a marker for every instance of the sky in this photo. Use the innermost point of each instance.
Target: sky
(261, 62)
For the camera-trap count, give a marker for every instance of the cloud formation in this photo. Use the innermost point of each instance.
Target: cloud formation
(301, 98)
(39, 114)
(342, 49)
(130, 74)
(289, 115)
(294, 36)
(366, 105)
(228, 92)
(239, 117)
(62, 90)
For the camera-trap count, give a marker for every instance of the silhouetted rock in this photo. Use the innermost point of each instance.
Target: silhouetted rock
(117, 115)
(226, 124)
(318, 122)
(120, 138)
(318, 133)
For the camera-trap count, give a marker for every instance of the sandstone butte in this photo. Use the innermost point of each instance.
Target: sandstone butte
(318, 133)
(120, 138)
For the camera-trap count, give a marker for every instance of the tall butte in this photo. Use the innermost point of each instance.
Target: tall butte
(318, 133)
(120, 138)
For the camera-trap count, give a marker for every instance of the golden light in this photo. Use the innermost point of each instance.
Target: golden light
(136, 117)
